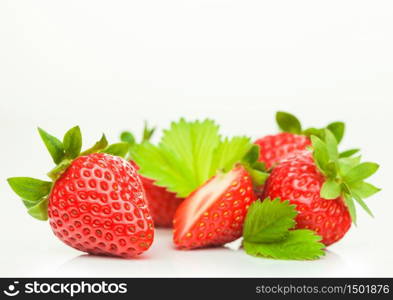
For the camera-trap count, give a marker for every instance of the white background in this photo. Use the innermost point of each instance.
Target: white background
(109, 65)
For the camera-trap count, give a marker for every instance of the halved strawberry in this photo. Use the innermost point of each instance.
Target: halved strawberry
(213, 215)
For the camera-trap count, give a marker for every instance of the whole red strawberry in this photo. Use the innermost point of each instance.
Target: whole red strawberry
(96, 203)
(273, 148)
(323, 186)
(213, 215)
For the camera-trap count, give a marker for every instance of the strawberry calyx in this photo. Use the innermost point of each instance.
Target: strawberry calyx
(344, 175)
(35, 192)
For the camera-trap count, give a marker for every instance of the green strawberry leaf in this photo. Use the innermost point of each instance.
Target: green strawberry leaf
(188, 154)
(361, 172)
(40, 210)
(29, 189)
(54, 145)
(288, 122)
(117, 149)
(348, 153)
(231, 151)
(330, 189)
(268, 221)
(301, 244)
(338, 130)
(72, 142)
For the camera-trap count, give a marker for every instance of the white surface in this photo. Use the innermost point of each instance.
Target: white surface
(107, 66)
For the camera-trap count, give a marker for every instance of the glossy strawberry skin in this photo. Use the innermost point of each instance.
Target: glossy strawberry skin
(162, 204)
(222, 222)
(98, 206)
(273, 148)
(298, 180)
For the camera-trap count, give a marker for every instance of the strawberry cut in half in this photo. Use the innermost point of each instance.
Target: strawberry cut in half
(213, 215)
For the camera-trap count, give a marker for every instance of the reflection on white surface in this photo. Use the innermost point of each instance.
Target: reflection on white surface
(164, 260)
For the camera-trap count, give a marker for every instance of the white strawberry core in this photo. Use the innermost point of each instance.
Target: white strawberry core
(206, 196)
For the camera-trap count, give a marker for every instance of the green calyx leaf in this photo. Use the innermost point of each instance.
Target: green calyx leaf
(255, 168)
(344, 174)
(288, 122)
(337, 129)
(348, 153)
(331, 189)
(364, 189)
(268, 232)
(147, 132)
(72, 142)
(40, 210)
(191, 152)
(34, 194)
(28, 188)
(117, 149)
(361, 172)
(98, 146)
(53, 144)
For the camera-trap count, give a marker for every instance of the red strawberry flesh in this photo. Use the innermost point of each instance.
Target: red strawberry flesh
(213, 215)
